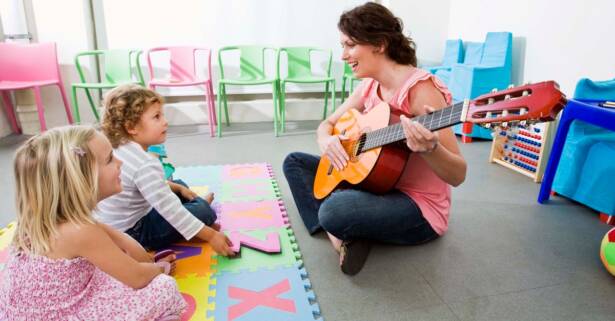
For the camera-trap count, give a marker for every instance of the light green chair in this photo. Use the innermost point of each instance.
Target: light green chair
(118, 69)
(300, 71)
(348, 78)
(251, 72)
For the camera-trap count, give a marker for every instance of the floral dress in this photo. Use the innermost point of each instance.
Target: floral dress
(35, 287)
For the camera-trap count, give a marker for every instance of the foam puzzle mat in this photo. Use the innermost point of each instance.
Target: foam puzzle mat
(267, 280)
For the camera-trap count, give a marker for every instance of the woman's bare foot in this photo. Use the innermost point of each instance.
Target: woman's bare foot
(337, 243)
(209, 197)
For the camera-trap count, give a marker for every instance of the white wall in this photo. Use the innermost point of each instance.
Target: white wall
(565, 40)
(562, 40)
(426, 22)
(215, 24)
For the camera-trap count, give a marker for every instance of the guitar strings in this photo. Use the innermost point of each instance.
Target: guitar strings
(393, 133)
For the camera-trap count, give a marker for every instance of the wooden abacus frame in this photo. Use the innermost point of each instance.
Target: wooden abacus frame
(497, 149)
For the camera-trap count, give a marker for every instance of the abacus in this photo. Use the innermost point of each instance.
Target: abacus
(523, 148)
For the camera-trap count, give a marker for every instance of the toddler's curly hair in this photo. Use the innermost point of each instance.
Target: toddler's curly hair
(124, 106)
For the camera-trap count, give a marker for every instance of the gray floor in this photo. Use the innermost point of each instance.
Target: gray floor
(504, 258)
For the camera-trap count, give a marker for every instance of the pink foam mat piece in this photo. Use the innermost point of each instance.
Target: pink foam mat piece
(251, 215)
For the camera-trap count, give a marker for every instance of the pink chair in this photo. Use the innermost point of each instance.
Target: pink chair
(24, 66)
(183, 73)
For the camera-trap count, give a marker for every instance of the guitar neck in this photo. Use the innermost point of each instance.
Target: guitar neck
(439, 119)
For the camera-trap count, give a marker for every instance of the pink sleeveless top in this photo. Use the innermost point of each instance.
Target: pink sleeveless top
(418, 180)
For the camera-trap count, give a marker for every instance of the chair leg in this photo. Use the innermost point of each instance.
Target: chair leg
(10, 112)
(91, 100)
(219, 127)
(210, 108)
(282, 103)
(213, 103)
(324, 113)
(276, 107)
(69, 114)
(225, 105)
(333, 96)
(39, 108)
(343, 89)
(73, 95)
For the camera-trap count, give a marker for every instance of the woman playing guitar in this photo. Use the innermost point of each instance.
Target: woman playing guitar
(417, 209)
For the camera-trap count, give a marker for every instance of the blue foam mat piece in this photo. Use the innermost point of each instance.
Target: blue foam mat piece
(300, 293)
(200, 175)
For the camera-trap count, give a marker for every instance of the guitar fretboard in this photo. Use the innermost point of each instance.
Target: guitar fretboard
(439, 119)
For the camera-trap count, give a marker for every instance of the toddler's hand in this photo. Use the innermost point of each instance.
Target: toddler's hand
(188, 193)
(221, 244)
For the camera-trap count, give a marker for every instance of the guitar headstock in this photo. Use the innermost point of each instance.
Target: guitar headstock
(533, 102)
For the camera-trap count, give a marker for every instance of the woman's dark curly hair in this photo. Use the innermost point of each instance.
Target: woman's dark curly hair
(374, 24)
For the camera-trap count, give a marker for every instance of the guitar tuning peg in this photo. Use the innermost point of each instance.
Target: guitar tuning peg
(490, 101)
(507, 97)
(528, 83)
(488, 125)
(511, 86)
(494, 90)
(525, 93)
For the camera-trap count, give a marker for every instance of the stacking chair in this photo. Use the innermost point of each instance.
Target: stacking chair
(118, 65)
(251, 72)
(453, 54)
(472, 55)
(25, 66)
(472, 80)
(183, 73)
(493, 71)
(585, 171)
(348, 78)
(300, 65)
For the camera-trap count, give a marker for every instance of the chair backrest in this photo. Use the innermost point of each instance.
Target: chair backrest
(119, 64)
(182, 62)
(29, 62)
(251, 61)
(453, 52)
(473, 53)
(497, 49)
(300, 61)
(588, 89)
(347, 70)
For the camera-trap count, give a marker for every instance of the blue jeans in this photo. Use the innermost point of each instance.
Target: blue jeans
(154, 232)
(351, 214)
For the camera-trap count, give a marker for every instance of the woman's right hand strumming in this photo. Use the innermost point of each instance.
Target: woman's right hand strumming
(331, 147)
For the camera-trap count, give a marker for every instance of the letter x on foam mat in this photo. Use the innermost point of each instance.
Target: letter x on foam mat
(267, 280)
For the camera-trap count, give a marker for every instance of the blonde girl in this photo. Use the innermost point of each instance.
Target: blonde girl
(63, 264)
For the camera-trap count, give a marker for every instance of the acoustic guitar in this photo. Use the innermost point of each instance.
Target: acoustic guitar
(375, 145)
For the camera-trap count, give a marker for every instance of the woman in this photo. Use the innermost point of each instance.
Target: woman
(417, 210)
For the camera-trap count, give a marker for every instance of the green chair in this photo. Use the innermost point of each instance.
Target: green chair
(251, 72)
(300, 71)
(117, 65)
(349, 78)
